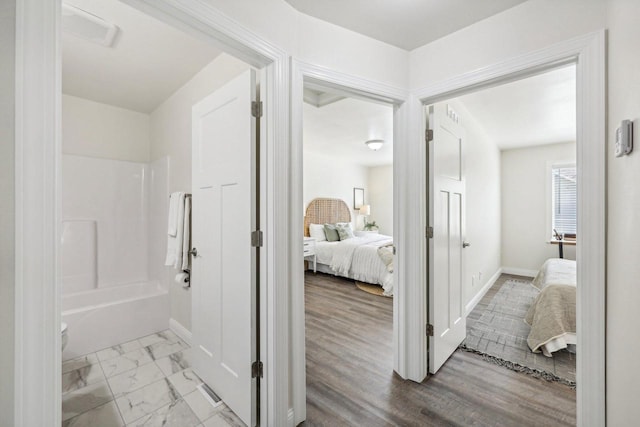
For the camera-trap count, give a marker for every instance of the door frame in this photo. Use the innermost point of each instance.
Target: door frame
(357, 87)
(588, 54)
(37, 213)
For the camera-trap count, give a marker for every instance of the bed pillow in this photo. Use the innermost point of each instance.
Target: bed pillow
(317, 232)
(331, 233)
(344, 230)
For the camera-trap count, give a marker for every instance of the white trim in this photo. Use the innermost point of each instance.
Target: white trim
(519, 271)
(183, 333)
(38, 358)
(588, 53)
(476, 299)
(290, 422)
(360, 88)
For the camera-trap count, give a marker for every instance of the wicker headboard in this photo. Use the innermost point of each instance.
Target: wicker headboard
(330, 211)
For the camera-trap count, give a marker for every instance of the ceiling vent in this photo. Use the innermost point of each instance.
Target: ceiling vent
(85, 25)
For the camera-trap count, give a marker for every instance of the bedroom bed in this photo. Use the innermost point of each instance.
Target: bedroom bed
(366, 257)
(552, 316)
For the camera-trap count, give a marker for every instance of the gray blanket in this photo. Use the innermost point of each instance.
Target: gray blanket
(552, 315)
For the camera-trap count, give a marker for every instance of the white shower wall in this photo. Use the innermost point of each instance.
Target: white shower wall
(114, 194)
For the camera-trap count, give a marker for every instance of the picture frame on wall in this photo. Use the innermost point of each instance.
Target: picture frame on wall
(358, 197)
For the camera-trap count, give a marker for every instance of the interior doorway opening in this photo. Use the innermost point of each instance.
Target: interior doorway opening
(348, 250)
(502, 204)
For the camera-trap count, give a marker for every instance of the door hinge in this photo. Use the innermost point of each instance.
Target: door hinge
(429, 135)
(429, 232)
(429, 330)
(256, 369)
(256, 108)
(256, 239)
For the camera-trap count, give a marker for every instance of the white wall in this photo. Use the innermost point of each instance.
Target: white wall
(526, 205)
(7, 206)
(318, 42)
(623, 250)
(481, 166)
(526, 27)
(171, 138)
(380, 187)
(100, 130)
(328, 176)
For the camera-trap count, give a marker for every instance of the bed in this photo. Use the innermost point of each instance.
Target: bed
(552, 316)
(367, 257)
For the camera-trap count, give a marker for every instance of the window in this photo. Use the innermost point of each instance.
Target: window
(563, 199)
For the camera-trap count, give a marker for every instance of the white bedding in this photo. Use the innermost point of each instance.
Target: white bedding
(358, 259)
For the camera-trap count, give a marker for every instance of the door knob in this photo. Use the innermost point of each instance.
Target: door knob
(193, 252)
(465, 244)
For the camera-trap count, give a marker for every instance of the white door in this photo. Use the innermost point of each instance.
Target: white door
(446, 216)
(224, 273)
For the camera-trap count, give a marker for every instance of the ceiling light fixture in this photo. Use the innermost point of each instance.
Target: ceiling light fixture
(375, 144)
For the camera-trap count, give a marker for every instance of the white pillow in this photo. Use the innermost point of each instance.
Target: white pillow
(317, 232)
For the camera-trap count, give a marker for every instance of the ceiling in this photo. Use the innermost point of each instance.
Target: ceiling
(148, 61)
(534, 111)
(420, 21)
(342, 127)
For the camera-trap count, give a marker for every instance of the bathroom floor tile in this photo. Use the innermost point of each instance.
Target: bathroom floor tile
(185, 381)
(106, 415)
(176, 414)
(230, 417)
(134, 379)
(164, 336)
(224, 418)
(84, 399)
(81, 377)
(146, 400)
(175, 362)
(165, 348)
(79, 362)
(118, 350)
(201, 406)
(125, 362)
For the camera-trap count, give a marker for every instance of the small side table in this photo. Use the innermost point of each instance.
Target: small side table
(309, 250)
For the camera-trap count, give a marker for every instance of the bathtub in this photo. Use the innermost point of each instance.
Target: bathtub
(103, 317)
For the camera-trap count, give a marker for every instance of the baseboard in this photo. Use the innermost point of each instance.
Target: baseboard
(182, 332)
(290, 418)
(519, 271)
(476, 299)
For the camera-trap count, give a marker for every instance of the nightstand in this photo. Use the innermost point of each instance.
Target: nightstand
(309, 250)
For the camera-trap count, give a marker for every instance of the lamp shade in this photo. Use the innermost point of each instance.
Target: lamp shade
(365, 210)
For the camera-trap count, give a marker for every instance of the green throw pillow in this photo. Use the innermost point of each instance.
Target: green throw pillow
(344, 230)
(331, 233)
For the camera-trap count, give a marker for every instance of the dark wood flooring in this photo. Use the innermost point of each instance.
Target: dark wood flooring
(350, 378)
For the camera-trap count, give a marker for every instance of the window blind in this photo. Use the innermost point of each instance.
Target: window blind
(564, 199)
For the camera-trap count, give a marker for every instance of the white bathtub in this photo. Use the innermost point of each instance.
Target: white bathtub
(101, 318)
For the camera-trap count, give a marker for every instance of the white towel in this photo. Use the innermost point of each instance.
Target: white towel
(186, 234)
(174, 203)
(174, 243)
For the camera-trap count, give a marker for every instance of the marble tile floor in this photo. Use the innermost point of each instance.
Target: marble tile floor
(144, 382)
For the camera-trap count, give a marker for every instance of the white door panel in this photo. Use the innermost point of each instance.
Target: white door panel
(224, 273)
(446, 216)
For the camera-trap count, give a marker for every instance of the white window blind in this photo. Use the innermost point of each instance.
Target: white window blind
(564, 199)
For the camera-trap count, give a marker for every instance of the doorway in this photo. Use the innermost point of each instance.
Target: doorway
(46, 343)
(348, 249)
(515, 177)
(590, 134)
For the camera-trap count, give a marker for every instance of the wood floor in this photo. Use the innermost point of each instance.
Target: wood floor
(350, 379)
